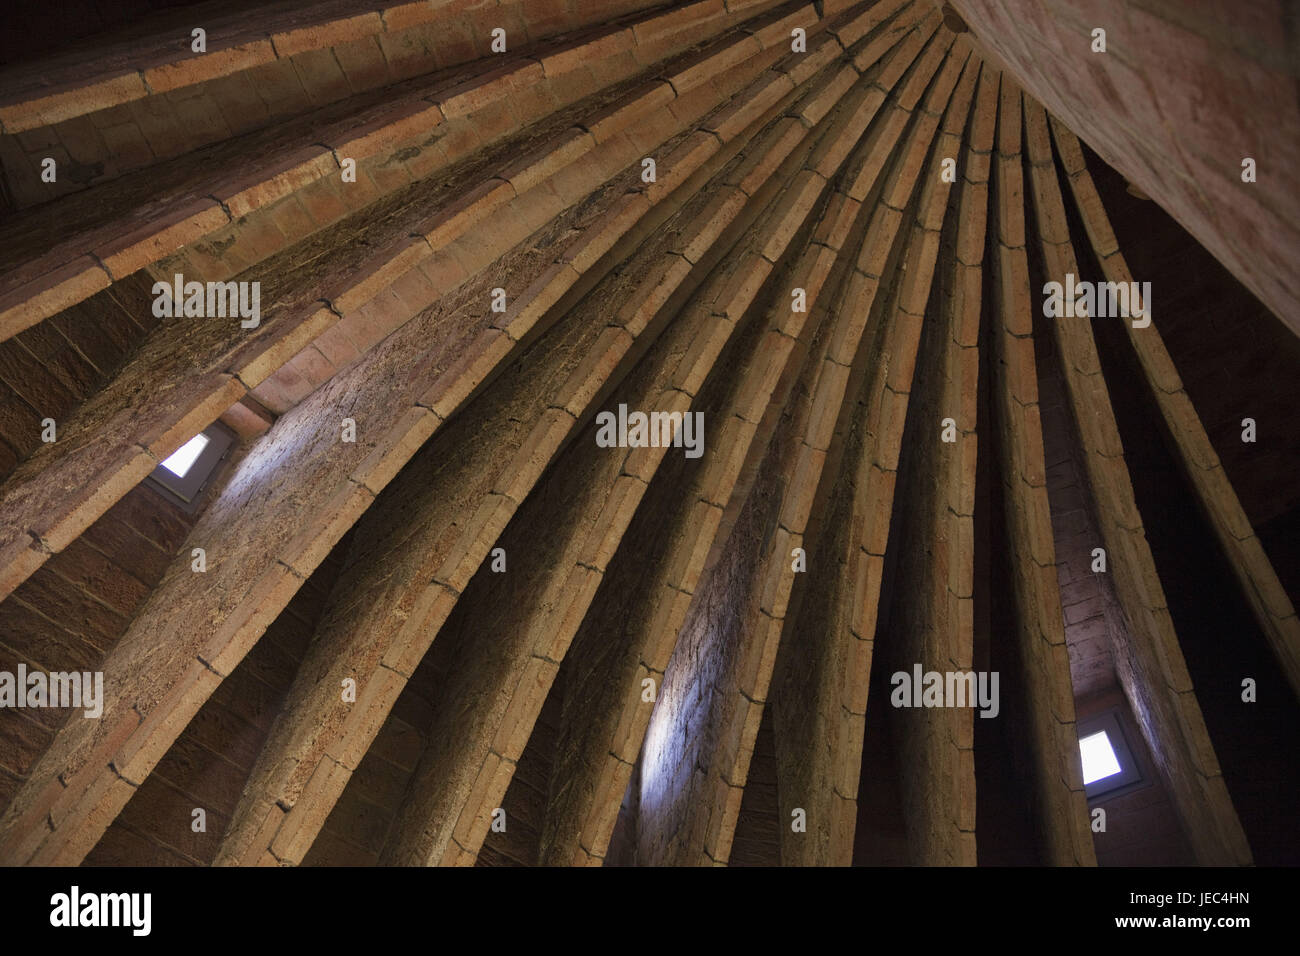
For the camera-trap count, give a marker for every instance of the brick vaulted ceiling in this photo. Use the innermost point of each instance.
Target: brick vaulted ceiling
(568, 653)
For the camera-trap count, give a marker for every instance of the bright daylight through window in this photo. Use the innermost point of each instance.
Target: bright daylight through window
(1099, 760)
(184, 457)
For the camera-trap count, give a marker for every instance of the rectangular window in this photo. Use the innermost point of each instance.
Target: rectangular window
(1108, 761)
(183, 475)
(182, 460)
(1099, 760)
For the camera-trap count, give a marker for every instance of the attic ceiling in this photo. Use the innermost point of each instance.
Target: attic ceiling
(442, 606)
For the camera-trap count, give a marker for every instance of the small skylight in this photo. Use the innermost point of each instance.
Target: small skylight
(182, 475)
(1109, 764)
(182, 460)
(1099, 760)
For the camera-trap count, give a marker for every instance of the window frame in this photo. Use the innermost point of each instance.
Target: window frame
(1132, 775)
(185, 491)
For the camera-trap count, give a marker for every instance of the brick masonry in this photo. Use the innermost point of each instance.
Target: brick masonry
(779, 174)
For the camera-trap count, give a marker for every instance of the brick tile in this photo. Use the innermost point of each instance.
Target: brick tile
(537, 451)
(331, 33)
(207, 66)
(577, 55)
(608, 230)
(777, 32)
(321, 76)
(49, 294)
(321, 200)
(406, 53)
(529, 307)
(254, 363)
(597, 365)
(159, 237)
(380, 691)
(667, 27)
(238, 100)
(559, 152)
(822, 51)
(82, 99)
(280, 89)
(199, 115)
(510, 79)
(395, 448)
(465, 211)
(312, 366)
(402, 16)
(127, 145)
(385, 131)
(247, 418)
(674, 169)
(363, 63)
(472, 366)
(480, 533)
(164, 722)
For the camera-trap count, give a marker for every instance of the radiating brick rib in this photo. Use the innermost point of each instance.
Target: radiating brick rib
(676, 628)
(611, 750)
(648, 588)
(903, 37)
(1269, 601)
(670, 556)
(524, 802)
(383, 130)
(398, 642)
(285, 388)
(390, 142)
(557, 604)
(191, 775)
(342, 480)
(611, 781)
(821, 675)
(918, 262)
(419, 421)
(876, 463)
(555, 214)
(706, 820)
(932, 745)
(857, 23)
(594, 780)
(1061, 809)
(1149, 661)
(568, 181)
(463, 240)
(660, 640)
(66, 485)
(535, 451)
(350, 499)
(507, 219)
(560, 588)
(143, 67)
(29, 569)
(959, 398)
(24, 305)
(415, 271)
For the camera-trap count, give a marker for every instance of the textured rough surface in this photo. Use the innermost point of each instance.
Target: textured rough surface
(428, 610)
(1181, 96)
